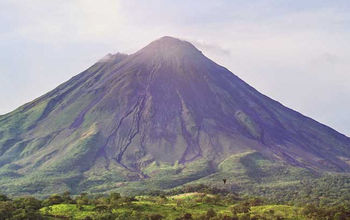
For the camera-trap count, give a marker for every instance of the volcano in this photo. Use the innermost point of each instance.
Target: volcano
(163, 116)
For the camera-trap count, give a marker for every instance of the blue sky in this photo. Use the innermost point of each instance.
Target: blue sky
(296, 52)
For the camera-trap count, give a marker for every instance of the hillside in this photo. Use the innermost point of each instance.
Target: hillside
(157, 119)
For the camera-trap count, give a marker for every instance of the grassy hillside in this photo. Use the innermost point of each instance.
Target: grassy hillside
(248, 174)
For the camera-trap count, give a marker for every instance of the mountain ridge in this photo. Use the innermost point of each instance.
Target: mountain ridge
(166, 104)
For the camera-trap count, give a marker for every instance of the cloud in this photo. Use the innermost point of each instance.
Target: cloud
(212, 48)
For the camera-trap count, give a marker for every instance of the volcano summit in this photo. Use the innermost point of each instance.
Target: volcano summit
(156, 119)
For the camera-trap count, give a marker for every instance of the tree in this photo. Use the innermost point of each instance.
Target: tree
(27, 203)
(81, 200)
(53, 200)
(27, 208)
(66, 197)
(101, 200)
(6, 210)
(4, 197)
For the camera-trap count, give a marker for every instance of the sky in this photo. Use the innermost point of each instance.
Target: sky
(295, 51)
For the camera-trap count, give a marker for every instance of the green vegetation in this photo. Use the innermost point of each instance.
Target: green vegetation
(249, 174)
(190, 202)
(152, 122)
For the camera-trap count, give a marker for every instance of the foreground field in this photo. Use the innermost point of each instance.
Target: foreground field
(192, 202)
(174, 208)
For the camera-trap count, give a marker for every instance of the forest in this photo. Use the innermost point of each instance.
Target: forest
(188, 202)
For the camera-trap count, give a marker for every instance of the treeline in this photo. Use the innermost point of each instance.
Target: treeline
(325, 191)
(30, 208)
(20, 208)
(115, 206)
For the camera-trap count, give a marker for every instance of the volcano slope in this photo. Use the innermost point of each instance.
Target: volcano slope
(157, 119)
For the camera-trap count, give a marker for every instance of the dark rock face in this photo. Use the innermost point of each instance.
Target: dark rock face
(166, 103)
